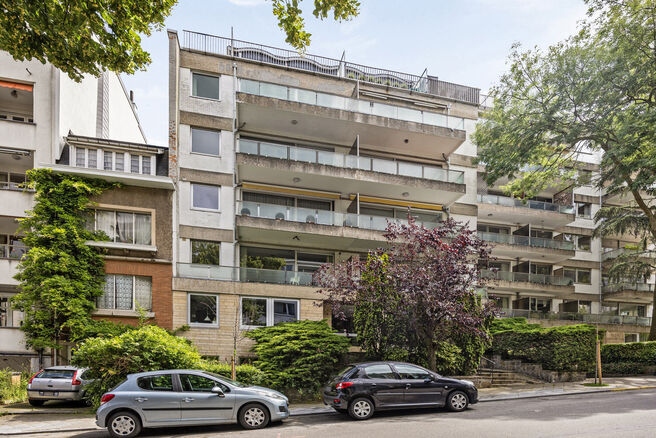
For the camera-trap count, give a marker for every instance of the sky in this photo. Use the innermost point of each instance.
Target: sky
(461, 41)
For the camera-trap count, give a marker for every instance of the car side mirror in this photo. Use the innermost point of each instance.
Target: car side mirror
(218, 391)
(429, 379)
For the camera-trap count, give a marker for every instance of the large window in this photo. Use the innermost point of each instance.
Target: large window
(203, 309)
(205, 252)
(16, 101)
(584, 210)
(12, 247)
(205, 197)
(204, 141)
(11, 180)
(261, 312)
(126, 292)
(583, 276)
(205, 86)
(118, 161)
(123, 226)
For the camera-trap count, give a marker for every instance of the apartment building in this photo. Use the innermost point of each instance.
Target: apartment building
(48, 120)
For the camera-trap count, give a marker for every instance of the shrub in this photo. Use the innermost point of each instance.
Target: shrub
(247, 374)
(504, 324)
(298, 356)
(636, 352)
(623, 368)
(146, 348)
(562, 348)
(12, 393)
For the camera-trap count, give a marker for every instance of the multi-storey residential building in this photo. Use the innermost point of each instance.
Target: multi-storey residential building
(285, 162)
(48, 120)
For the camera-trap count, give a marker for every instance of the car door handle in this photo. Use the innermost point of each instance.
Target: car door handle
(141, 399)
(407, 386)
(187, 399)
(373, 384)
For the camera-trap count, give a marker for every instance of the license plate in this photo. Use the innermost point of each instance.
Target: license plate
(54, 394)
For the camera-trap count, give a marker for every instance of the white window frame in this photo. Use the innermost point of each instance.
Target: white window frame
(134, 293)
(191, 86)
(134, 224)
(218, 195)
(200, 324)
(191, 142)
(269, 310)
(100, 160)
(99, 164)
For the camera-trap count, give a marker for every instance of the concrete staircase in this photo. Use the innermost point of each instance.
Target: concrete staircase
(494, 378)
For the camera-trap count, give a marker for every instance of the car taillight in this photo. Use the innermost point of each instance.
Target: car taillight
(76, 381)
(40, 371)
(105, 398)
(342, 385)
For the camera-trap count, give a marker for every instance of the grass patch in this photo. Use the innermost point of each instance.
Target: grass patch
(12, 393)
(595, 384)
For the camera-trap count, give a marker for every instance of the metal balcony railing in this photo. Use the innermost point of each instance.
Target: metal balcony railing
(245, 275)
(13, 252)
(300, 95)
(328, 158)
(591, 318)
(535, 205)
(321, 217)
(637, 287)
(608, 255)
(537, 242)
(527, 278)
(13, 186)
(231, 47)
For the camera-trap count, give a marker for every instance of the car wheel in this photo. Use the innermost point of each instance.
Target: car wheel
(253, 416)
(124, 424)
(34, 402)
(361, 408)
(457, 401)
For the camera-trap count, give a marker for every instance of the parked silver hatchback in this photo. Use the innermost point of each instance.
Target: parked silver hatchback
(56, 383)
(172, 398)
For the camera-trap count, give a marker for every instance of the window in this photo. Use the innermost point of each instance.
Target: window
(126, 292)
(205, 196)
(583, 276)
(16, 101)
(205, 86)
(123, 227)
(205, 252)
(493, 229)
(86, 157)
(583, 209)
(204, 141)
(631, 337)
(194, 383)
(113, 160)
(261, 312)
(412, 372)
(12, 247)
(203, 309)
(540, 269)
(379, 372)
(162, 382)
(56, 374)
(585, 177)
(134, 163)
(583, 243)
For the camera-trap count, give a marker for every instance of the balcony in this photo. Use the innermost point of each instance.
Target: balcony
(628, 291)
(300, 113)
(279, 164)
(10, 256)
(16, 200)
(279, 224)
(524, 281)
(639, 253)
(511, 210)
(589, 318)
(547, 250)
(244, 275)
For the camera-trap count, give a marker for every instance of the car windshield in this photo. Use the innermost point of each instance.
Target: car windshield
(225, 379)
(344, 371)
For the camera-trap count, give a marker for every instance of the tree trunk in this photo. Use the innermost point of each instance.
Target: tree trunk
(431, 351)
(652, 329)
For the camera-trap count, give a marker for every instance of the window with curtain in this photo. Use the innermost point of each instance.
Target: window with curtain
(126, 292)
(122, 226)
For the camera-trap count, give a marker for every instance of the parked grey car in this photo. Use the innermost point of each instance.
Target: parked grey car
(57, 383)
(171, 398)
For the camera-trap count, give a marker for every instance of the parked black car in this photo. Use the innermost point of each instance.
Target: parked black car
(363, 388)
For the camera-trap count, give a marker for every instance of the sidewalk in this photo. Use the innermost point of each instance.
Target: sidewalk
(24, 419)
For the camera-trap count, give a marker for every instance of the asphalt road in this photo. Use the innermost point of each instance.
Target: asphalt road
(611, 414)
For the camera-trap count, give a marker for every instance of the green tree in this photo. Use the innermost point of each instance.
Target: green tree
(594, 92)
(60, 276)
(84, 36)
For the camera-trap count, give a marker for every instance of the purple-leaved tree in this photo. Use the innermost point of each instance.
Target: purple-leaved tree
(425, 278)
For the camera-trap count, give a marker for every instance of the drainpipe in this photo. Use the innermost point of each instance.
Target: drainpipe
(235, 142)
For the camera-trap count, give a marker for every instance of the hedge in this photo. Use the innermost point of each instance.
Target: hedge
(562, 348)
(643, 353)
(247, 374)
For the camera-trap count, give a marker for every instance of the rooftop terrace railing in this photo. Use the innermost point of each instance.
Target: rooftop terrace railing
(537, 242)
(591, 318)
(217, 45)
(316, 156)
(334, 101)
(535, 205)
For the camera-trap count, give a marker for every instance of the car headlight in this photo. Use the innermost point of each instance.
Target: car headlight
(469, 383)
(271, 395)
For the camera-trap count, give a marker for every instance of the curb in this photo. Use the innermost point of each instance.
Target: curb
(594, 391)
(86, 429)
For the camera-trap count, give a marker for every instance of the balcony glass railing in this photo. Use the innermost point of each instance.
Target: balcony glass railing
(637, 287)
(608, 255)
(527, 278)
(535, 205)
(245, 275)
(328, 158)
(321, 217)
(537, 242)
(591, 318)
(349, 104)
(13, 252)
